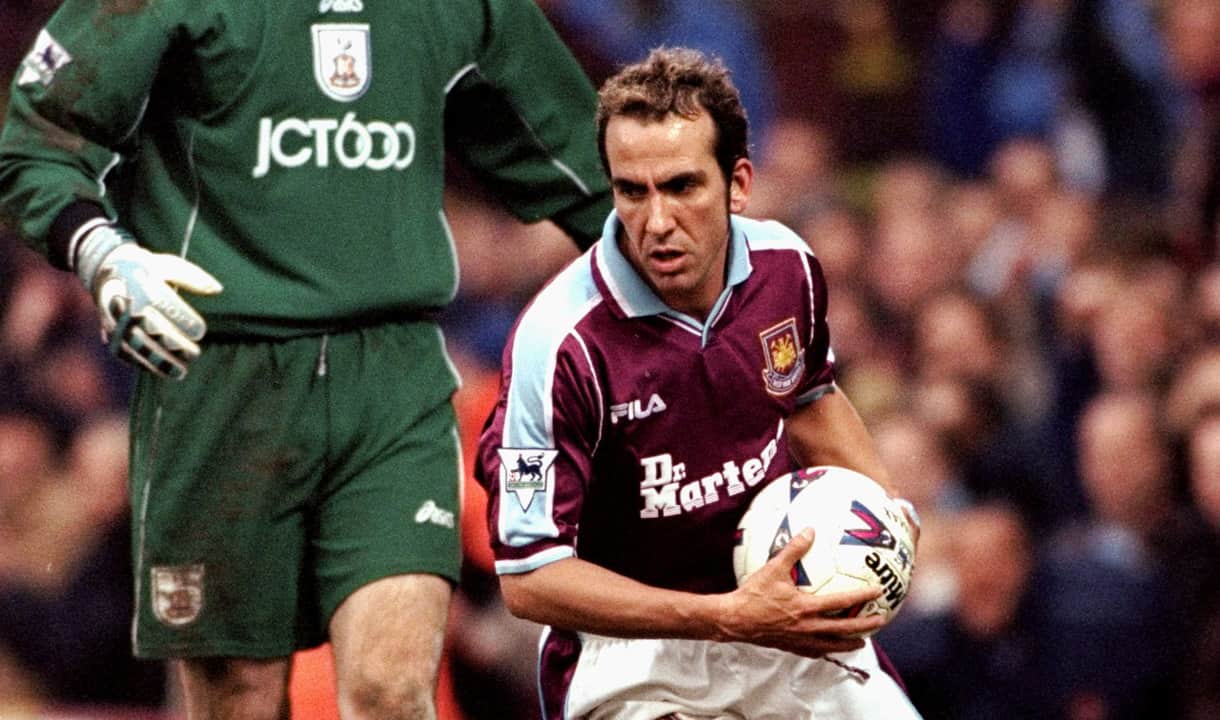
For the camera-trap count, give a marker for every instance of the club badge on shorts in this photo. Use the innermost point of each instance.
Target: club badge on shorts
(177, 593)
(342, 63)
(784, 357)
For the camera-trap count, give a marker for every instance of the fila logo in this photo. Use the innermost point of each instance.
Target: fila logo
(635, 409)
(340, 6)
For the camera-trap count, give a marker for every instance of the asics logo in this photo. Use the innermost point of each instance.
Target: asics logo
(340, 6)
(430, 513)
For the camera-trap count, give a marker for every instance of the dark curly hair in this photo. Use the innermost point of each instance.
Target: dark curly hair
(683, 82)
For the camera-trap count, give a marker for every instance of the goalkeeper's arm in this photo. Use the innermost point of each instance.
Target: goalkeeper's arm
(144, 320)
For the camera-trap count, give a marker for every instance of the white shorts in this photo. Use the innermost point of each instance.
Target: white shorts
(619, 679)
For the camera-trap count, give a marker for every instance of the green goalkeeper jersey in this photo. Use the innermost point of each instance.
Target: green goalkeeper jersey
(296, 149)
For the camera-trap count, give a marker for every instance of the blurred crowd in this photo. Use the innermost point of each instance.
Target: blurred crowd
(1015, 204)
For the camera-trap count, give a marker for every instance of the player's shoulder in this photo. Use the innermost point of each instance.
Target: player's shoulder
(561, 304)
(764, 234)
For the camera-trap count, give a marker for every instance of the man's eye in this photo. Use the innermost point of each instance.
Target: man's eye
(680, 185)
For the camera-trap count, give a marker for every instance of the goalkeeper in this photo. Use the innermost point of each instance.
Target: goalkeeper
(252, 192)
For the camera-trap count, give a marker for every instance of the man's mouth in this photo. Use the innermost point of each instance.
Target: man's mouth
(666, 260)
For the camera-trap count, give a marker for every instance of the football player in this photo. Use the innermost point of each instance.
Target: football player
(651, 389)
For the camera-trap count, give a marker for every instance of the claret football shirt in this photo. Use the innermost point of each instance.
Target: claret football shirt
(635, 436)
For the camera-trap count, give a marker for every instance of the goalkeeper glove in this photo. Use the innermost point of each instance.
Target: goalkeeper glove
(143, 319)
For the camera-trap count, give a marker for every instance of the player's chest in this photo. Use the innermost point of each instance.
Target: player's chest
(688, 424)
(309, 62)
(663, 375)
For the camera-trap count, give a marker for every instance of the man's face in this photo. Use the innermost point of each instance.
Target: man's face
(674, 204)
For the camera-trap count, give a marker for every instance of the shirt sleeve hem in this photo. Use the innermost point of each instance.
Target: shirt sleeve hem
(64, 227)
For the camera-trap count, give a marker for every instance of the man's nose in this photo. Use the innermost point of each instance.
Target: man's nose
(660, 219)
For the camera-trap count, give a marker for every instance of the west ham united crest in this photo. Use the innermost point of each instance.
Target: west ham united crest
(342, 63)
(177, 593)
(525, 472)
(784, 357)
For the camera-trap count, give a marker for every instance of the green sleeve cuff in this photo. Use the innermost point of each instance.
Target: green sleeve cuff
(60, 247)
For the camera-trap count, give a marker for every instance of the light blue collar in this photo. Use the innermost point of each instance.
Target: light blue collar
(633, 294)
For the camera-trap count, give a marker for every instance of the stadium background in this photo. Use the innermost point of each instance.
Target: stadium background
(1015, 203)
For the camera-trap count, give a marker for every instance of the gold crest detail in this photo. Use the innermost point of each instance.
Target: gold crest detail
(785, 360)
(783, 353)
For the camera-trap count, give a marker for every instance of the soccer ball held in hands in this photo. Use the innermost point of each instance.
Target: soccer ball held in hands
(861, 535)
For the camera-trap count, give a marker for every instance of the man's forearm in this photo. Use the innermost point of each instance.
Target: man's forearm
(829, 431)
(581, 596)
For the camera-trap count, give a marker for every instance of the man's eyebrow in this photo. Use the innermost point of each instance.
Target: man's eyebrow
(670, 183)
(680, 180)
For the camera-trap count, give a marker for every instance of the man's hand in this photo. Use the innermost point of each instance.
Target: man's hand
(768, 609)
(143, 318)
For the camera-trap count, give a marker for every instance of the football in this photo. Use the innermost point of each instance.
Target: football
(861, 536)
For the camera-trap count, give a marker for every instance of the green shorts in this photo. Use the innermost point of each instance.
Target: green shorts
(279, 477)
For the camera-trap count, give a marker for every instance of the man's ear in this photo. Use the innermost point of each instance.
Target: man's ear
(739, 185)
